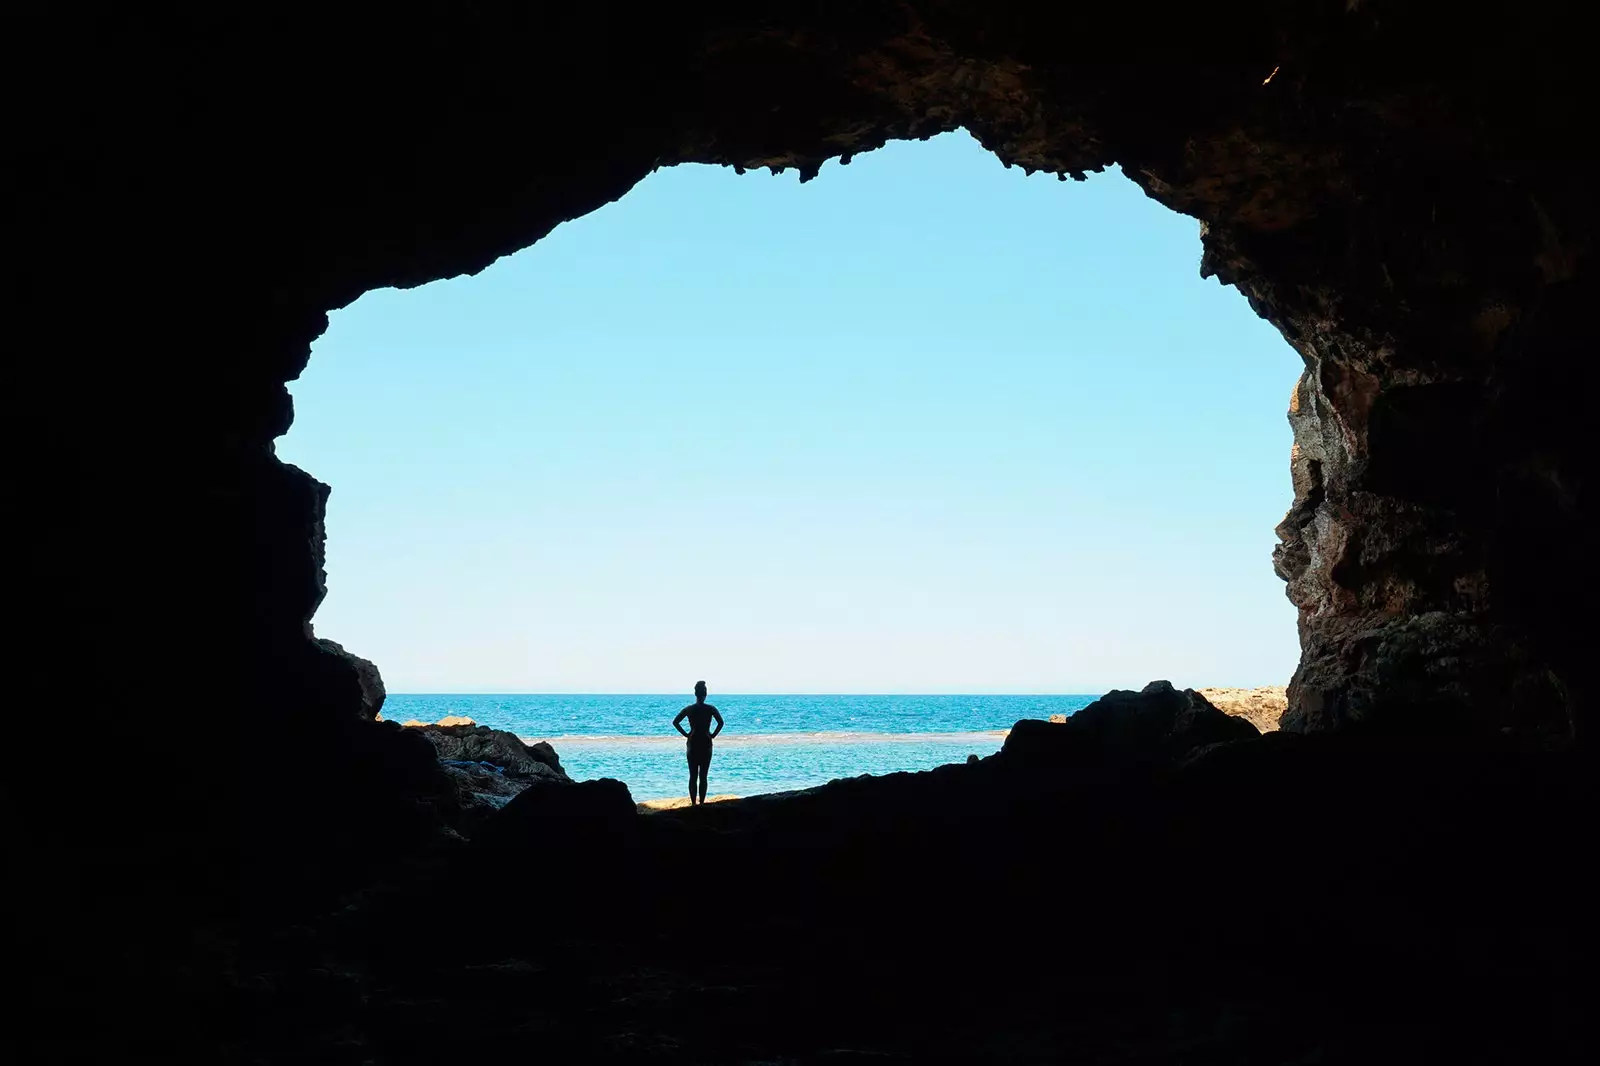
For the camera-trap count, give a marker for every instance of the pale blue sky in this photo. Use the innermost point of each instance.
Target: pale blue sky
(923, 424)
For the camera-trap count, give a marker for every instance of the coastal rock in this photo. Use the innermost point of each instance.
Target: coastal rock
(554, 821)
(1261, 707)
(1428, 261)
(546, 754)
(480, 744)
(480, 790)
(362, 675)
(584, 808)
(1156, 724)
(486, 767)
(1406, 197)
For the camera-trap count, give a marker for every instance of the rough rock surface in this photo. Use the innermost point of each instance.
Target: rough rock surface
(1405, 199)
(481, 788)
(1405, 193)
(478, 743)
(485, 767)
(1261, 707)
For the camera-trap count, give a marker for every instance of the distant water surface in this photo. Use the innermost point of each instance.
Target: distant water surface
(771, 743)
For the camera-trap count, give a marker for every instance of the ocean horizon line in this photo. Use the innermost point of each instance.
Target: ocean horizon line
(729, 694)
(825, 736)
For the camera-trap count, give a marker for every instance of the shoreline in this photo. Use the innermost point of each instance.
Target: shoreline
(766, 739)
(759, 762)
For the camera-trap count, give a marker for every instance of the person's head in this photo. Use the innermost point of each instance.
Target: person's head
(700, 691)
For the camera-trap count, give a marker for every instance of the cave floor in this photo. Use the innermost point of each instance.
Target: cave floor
(955, 916)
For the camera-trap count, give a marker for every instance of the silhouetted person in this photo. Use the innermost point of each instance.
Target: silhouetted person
(700, 713)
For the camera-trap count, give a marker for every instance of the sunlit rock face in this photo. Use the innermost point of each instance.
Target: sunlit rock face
(1433, 546)
(1404, 198)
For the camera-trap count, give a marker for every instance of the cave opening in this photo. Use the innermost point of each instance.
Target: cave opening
(1397, 874)
(926, 426)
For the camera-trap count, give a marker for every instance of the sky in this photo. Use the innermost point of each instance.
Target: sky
(922, 424)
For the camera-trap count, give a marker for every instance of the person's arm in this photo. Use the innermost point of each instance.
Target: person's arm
(718, 716)
(677, 723)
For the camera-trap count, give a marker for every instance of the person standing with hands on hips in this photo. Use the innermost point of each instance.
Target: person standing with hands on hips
(700, 734)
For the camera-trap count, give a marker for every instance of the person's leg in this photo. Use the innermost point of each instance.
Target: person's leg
(692, 770)
(704, 768)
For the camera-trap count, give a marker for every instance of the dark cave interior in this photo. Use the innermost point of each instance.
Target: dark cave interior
(1405, 198)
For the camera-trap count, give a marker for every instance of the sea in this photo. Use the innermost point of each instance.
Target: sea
(769, 743)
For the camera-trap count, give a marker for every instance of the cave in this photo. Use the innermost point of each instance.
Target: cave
(1400, 191)
(1006, 359)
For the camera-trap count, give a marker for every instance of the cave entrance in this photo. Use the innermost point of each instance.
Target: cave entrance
(925, 425)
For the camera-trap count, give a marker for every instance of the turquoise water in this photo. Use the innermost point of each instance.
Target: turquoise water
(770, 743)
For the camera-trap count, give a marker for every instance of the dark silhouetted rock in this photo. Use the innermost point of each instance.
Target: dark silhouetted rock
(546, 754)
(1156, 724)
(362, 673)
(1405, 196)
(556, 820)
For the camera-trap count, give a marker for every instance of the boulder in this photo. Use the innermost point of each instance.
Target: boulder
(1156, 724)
(547, 755)
(354, 672)
(486, 767)
(480, 789)
(583, 826)
(477, 743)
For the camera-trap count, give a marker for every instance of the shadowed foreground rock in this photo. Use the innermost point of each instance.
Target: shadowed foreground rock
(1404, 191)
(357, 675)
(1257, 902)
(1158, 723)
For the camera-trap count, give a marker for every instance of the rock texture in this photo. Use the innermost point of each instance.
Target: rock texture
(487, 767)
(477, 743)
(1404, 192)
(1406, 199)
(1262, 707)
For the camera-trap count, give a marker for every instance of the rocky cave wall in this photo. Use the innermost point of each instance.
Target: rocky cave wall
(1399, 189)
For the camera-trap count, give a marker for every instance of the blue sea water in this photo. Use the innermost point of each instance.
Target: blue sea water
(770, 743)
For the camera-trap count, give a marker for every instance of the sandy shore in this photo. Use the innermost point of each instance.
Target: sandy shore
(679, 801)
